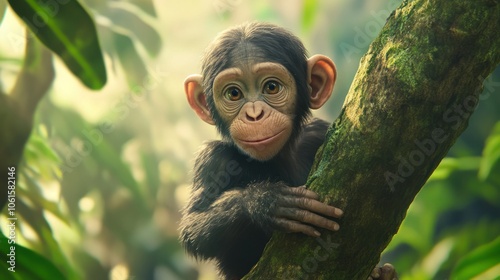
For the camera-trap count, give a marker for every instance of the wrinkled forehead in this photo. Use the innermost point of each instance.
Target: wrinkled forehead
(246, 55)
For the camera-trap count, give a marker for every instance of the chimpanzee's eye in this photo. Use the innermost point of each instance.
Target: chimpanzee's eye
(233, 94)
(272, 87)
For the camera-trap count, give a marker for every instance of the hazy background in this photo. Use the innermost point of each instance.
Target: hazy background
(104, 203)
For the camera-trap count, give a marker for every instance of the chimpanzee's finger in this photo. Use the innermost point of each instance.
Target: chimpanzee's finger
(292, 226)
(311, 205)
(304, 216)
(301, 192)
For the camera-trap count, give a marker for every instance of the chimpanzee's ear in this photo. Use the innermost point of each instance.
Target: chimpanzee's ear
(321, 75)
(196, 98)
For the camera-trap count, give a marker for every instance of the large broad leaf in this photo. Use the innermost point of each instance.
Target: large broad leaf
(67, 29)
(26, 263)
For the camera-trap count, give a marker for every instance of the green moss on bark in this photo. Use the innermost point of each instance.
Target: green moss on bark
(429, 60)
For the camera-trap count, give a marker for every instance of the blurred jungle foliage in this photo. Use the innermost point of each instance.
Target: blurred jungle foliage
(105, 173)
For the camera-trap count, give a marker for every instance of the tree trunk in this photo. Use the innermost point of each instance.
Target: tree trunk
(411, 98)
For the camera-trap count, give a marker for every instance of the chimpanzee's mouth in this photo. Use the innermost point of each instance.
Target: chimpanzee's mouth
(262, 141)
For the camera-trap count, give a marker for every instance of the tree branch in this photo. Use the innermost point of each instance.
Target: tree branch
(18, 108)
(35, 77)
(410, 100)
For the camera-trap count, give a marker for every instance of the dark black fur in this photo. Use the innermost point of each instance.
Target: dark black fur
(228, 218)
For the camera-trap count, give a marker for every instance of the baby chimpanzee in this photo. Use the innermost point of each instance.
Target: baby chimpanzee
(257, 87)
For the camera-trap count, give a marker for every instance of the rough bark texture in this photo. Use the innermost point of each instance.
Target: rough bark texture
(411, 98)
(18, 108)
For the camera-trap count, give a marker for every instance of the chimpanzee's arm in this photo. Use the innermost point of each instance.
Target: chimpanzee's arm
(215, 214)
(219, 214)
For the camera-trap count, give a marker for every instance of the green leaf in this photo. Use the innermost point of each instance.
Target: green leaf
(34, 216)
(109, 158)
(145, 5)
(131, 62)
(28, 264)
(450, 165)
(41, 158)
(33, 192)
(68, 30)
(308, 13)
(478, 261)
(490, 163)
(136, 24)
